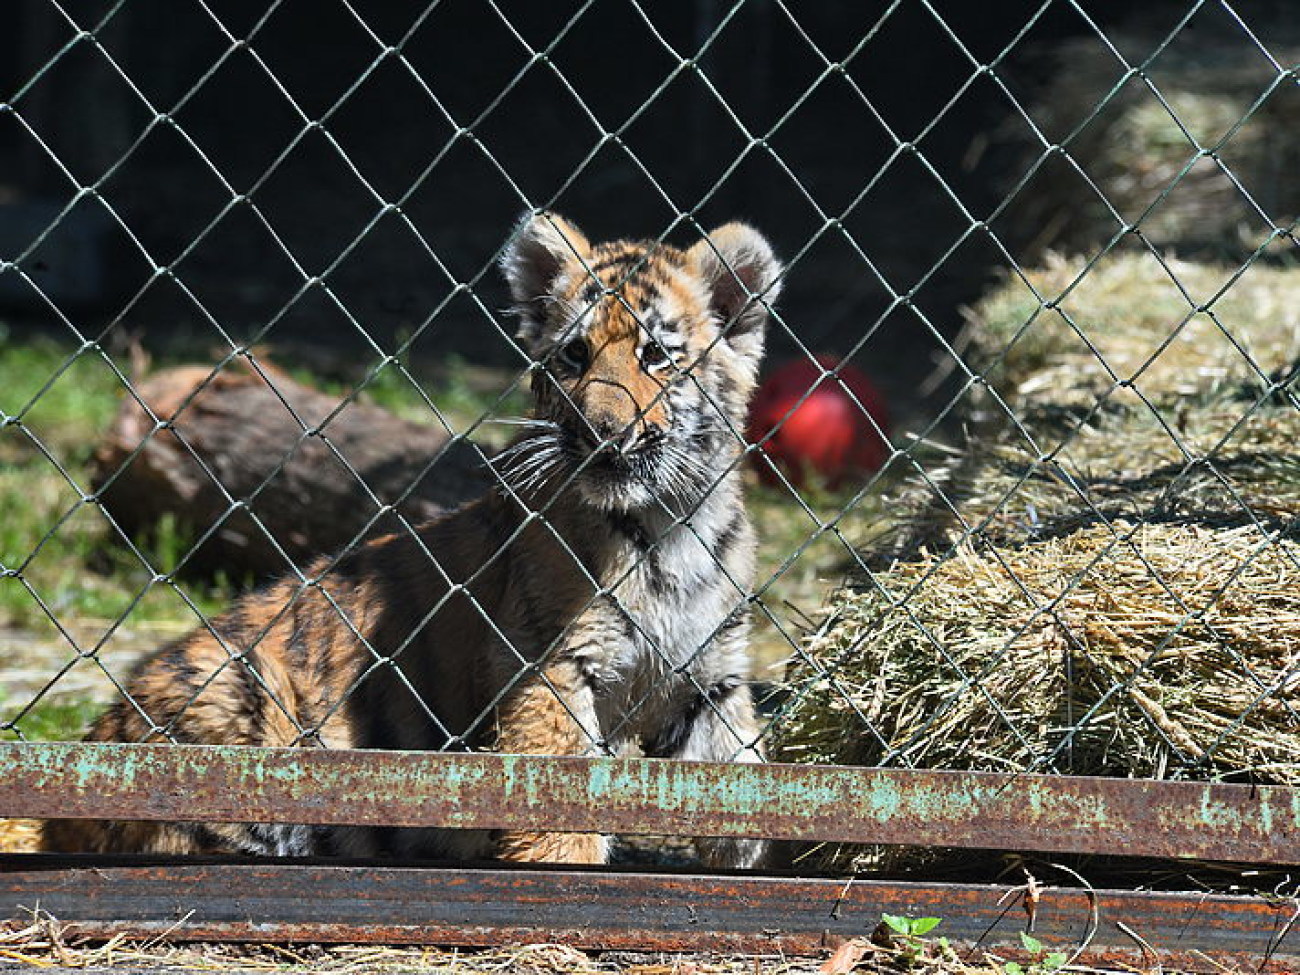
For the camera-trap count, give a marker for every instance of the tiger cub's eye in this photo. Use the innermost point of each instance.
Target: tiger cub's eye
(654, 355)
(575, 354)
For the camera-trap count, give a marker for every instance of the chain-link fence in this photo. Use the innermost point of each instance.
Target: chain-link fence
(1021, 458)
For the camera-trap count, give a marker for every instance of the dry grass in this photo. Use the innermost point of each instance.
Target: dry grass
(41, 942)
(1127, 318)
(1223, 462)
(1155, 651)
(1199, 435)
(1141, 154)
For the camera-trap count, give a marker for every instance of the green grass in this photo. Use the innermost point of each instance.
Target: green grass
(801, 558)
(63, 550)
(58, 720)
(58, 402)
(468, 398)
(59, 395)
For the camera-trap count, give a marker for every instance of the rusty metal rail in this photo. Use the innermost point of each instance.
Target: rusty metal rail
(481, 905)
(475, 905)
(976, 810)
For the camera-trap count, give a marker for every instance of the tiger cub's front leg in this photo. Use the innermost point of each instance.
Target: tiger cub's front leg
(551, 714)
(720, 725)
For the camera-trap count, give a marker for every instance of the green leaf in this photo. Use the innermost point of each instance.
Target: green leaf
(1054, 961)
(1013, 968)
(900, 924)
(1032, 944)
(924, 925)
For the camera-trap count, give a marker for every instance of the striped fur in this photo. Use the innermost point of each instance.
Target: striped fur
(595, 602)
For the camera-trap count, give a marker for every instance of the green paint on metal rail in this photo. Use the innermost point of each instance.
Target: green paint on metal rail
(890, 806)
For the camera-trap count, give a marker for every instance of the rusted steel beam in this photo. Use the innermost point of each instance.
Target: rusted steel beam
(469, 905)
(982, 810)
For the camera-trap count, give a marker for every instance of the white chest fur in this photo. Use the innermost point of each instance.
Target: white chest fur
(676, 588)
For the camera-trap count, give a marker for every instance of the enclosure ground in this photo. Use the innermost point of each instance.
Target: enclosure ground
(47, 947)
(345, 959)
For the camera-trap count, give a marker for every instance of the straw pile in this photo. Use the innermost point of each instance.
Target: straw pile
(1135, 149)
(1123, 406)
(1129, 317)
(1108, 585)
(1223, 462)
(1152, 650)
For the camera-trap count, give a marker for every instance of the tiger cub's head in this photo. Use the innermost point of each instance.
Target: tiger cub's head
(647, 356)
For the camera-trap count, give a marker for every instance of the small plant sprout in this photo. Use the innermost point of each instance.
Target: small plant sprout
(1042, 961)
(910, 927)
(910, 934)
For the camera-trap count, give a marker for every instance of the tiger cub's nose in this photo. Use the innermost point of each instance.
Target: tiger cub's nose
(609, 432)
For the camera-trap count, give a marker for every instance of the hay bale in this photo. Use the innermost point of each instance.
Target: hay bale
(1164, 651)
(1128, 318)
(1141, 150)
(1208, 431)
(1225, 462)
(1218, 461)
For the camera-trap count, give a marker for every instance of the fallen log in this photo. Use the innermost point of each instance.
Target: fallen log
(265, 472)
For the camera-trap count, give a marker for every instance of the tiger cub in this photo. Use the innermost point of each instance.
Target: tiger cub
(596, 599)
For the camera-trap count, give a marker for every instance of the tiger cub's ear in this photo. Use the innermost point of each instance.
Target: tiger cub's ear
(542, 244)
(739, 268)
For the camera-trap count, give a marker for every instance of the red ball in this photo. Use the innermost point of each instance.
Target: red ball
(828, 434)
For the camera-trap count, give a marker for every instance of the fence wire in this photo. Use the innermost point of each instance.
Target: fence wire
(1077, 552)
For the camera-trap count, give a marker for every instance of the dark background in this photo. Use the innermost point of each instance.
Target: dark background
(193, 108)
